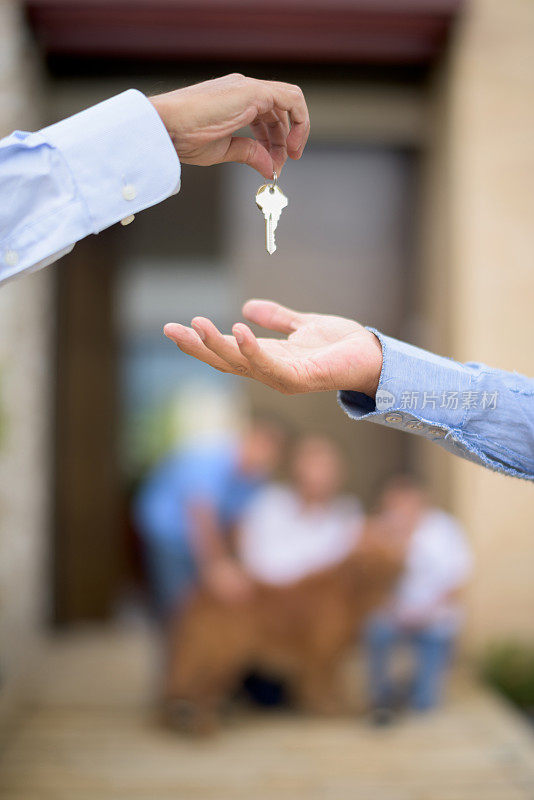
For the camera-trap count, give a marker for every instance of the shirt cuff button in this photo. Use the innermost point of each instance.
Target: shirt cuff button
(438, 433)
(128, 219)
(415, 425)
(11, 258)
(129, 192)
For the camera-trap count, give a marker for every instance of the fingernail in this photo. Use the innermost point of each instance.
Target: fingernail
(239, 336)
(168, 331)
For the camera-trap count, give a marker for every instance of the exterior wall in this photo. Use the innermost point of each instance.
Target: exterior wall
(24, 414)
(478, 286)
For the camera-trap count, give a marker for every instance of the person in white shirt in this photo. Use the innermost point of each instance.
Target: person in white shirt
(289, 532)
(424, 611)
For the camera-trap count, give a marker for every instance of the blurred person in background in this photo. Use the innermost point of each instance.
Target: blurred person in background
(424, 612)
(316, 569)
(190, 503)
(290, 531)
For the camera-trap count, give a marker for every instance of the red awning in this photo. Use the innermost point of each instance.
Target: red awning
(335, 31)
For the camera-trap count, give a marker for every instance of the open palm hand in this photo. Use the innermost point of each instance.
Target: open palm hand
(321, 353)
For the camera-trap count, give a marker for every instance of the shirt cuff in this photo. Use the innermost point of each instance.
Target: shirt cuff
(457, 405)
(120, 156)
(425, 386)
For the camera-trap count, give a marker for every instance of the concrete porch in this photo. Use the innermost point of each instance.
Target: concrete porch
(92, 735)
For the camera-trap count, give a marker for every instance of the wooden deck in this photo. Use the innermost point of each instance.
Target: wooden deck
(92, 737)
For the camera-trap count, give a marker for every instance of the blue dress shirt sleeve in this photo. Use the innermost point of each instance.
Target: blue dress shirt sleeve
(484, 415)
(79, 176)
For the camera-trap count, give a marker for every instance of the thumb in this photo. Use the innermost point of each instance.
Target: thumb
(244, 150)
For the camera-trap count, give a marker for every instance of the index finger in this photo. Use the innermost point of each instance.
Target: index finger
(289, 97)
(271, 130)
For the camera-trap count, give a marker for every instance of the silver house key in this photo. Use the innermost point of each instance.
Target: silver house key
(271, 201)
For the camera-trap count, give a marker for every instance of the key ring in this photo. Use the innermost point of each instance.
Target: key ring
(275, 182)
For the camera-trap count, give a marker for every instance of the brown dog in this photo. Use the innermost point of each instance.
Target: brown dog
(299, 631)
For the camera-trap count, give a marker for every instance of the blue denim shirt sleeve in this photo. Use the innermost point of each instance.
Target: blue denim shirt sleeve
(79, 176)
(484, 415)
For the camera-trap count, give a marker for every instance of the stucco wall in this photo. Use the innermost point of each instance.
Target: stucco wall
(478, 280)
(24, 404)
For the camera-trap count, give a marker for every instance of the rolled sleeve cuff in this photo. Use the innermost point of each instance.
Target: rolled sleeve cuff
(120, 156)
(428, 395)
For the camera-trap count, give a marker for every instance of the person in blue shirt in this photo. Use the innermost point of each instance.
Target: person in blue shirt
(482, 414)
(190, 504)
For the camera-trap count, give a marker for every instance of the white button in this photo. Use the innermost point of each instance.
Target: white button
(128, 219)
(11, 258)
(129, 192)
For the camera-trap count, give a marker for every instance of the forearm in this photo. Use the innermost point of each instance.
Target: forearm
(481, 414)
(79, 176)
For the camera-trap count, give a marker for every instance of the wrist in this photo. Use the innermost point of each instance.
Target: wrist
(161, 105)
(372, 367)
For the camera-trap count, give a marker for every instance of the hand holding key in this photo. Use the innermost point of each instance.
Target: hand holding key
(202, 121)
(321, 353)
